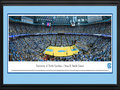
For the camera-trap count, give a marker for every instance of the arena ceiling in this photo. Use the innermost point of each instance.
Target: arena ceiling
(65, 20)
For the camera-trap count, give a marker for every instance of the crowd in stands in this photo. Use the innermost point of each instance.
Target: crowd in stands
(101, 28)
(31, 48)
(19, 28)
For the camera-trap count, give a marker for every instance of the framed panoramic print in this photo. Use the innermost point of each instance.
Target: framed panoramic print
(60, 43)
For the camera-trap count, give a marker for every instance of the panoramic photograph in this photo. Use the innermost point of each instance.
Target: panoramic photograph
(60, 38)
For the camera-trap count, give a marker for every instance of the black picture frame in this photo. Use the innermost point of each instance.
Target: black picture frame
(60, 3)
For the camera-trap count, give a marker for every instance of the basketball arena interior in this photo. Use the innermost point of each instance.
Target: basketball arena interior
(60, 38)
